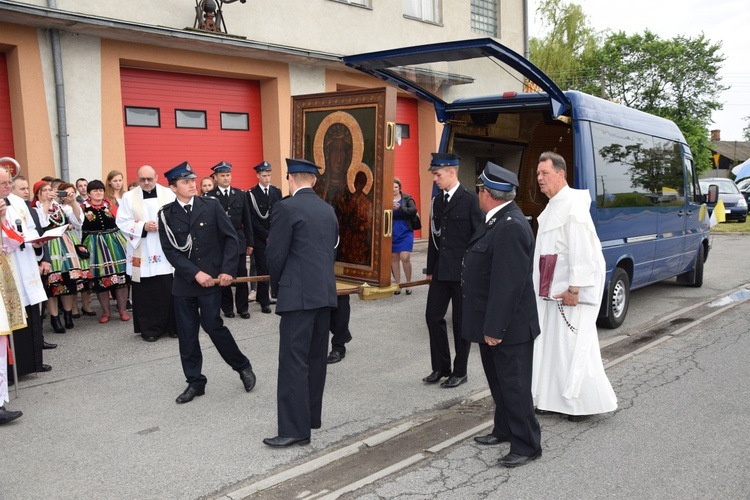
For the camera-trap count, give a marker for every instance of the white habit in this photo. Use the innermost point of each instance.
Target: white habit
(568, 374)
(132, 215)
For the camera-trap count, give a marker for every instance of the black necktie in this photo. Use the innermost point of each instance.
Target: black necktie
(447, 196)
(265, 191)
(187, 209)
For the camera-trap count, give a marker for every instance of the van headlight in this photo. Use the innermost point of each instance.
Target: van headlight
(742, 203)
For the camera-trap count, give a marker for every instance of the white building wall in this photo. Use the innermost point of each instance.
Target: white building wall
(82, 70)
(319, 25)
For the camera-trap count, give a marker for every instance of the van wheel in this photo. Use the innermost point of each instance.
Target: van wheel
(698, 268)
(618, 300)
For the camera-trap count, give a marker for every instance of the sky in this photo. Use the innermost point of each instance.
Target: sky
(719, 20)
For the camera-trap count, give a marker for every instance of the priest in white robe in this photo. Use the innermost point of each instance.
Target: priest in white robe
(149, 270)
(568, 374)
(24, 263)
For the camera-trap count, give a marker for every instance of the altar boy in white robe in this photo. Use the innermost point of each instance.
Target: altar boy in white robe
(149, 270)
(568, 375)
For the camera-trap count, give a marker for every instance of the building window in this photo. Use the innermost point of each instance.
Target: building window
(188, 118)
(361, 3)
(234, 121)
(424, 10)
(402, 131)
(484, 17)
(142, 117)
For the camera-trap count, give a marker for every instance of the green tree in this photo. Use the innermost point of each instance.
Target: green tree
(746, 130)
(677, 79)
(568, 43)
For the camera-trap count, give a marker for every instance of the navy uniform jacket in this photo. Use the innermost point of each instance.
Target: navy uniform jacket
(237, 207)
(265, 203)
(215, 247)
(302, 251)
(498, 292)
(456, 223)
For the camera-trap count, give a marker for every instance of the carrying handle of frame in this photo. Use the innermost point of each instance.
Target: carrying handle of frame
(387, 223)
(390, 139)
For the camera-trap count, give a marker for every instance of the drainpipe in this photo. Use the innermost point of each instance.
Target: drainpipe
(62, 122)
(526, 29)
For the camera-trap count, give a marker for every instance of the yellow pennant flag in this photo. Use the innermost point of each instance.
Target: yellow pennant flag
(720, 211)
(703, 213)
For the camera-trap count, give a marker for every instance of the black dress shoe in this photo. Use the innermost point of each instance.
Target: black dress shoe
(454, 381)
(282, 442)
(245, 315)
(189, 394)
(265, 309)
(513, 460)
(435, 376)
(489, 440)
(8, 416)
(47, 345)
(577, 418)
(229, 315)
(248, 378)
(46, 368)
(150, 339)
(335, 357)
(172, 335)
(88, 313)
(76, 315)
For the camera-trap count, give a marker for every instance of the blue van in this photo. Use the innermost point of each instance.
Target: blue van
(638, 168)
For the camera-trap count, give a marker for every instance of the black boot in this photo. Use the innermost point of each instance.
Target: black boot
(68, 315)
(56, 325)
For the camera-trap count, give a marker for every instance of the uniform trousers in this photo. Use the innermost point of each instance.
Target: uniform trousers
(508, 371)
(303, 349)
(190, 314)
(240, 290)
(439, 295)
(339, 326)
(261, 269)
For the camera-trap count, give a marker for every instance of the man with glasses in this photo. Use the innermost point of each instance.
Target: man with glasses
(149, 270)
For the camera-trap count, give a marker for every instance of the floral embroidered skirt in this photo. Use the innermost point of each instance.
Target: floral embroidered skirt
(68, 272)
(107, 259)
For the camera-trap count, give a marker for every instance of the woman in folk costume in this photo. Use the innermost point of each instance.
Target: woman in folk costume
(12, 313)
(68, 272)
(106, 246)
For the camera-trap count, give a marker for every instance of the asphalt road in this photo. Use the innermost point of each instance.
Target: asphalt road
(103, 423)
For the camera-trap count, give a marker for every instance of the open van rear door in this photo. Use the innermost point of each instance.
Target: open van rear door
(453, 75)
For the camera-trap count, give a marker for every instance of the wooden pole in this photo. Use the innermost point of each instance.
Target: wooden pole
(345, 291)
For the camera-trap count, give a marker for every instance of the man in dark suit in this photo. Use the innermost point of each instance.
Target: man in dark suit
(501, 313)
(235, 204)
(262, 198)
(199, 241)
(301, 256)
(454, 217)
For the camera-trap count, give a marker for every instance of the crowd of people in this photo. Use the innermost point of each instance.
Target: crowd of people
(533, 301)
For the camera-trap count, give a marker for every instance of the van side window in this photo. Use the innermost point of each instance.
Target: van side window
(693, 187)
(636, 170)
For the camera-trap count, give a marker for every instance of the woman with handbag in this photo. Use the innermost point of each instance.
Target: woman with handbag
(68, 271)
(404, 218)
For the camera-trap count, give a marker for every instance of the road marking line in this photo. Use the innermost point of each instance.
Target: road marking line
(391, 433)
(448, 442)
(376, 476)
(295, 471)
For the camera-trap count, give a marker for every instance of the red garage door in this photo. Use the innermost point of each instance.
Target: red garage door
(406, 159)
(176, 117)
(6, 126)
